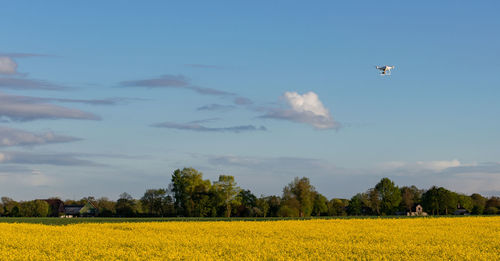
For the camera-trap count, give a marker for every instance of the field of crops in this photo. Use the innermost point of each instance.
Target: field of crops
(471, 238)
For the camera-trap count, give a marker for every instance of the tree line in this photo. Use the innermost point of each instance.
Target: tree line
(189, 195)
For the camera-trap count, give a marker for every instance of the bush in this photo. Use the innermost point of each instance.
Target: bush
(491, 211)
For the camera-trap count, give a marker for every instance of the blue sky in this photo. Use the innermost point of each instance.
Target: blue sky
(101, 98)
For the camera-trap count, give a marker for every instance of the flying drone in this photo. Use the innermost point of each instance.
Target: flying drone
(385, 70)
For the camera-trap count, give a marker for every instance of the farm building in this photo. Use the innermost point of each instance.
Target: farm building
(419, 211)
(461, 211)
(87, 210)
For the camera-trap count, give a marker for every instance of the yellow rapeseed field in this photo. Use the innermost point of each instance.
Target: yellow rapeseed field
(469, 238)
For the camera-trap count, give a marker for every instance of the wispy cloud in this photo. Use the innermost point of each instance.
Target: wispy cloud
(196, 126)
(242, 101)
(238, 101)
(167, 80)
(173, 81)
(25, 55)
(16, 137)
(107, 101)
(204, 121)
(275, 163)
(58, 159)
(25, 108)
(28, 84)
(306, 108)
(216, 107)
(203, 66)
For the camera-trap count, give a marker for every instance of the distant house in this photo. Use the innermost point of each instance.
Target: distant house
(419, 211)
(87, 210)
(461, 211)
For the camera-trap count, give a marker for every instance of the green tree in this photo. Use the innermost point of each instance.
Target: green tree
(303, 192)
(409, 197)
(465, 202)
(263, 206)
(154, 201)
(10, 206)
(320, 205)
(478, 204)
(106, 207)
(26, 209)
(339, 207)
(204, 202)
(189, 190)
(389, 196)
(430, 200)
(274, 203)
(449, 200)
(34, 208)
(440, 201)
(126, 205)
(289, 208)
(355, 207)
(248, 205)
(227, 192)
(41, 208)
(373, 201)
(491, 211)
(493, 202)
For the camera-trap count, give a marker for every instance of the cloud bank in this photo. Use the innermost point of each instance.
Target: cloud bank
(272, 173)
(306, 108)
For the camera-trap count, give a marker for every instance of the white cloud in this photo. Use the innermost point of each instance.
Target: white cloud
(435, 166)
(305, 108)
(308, 102)
(7, 65)
(439, 165)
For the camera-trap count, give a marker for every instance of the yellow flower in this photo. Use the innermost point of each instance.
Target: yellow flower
(468, 238)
